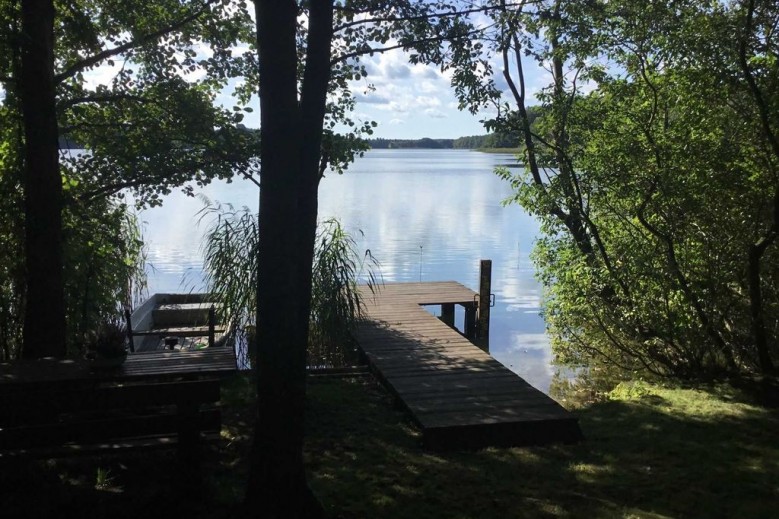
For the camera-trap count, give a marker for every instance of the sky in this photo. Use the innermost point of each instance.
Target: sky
(412, 101)
(408, 101)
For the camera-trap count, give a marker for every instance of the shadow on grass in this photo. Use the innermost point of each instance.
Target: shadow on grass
(670, 453)
(118, 486)
(667, 453)
(135, 485)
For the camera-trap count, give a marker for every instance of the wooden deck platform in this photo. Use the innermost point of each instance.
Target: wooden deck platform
(459, 395)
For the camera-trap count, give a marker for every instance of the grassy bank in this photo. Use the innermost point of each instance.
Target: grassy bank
(650, 452)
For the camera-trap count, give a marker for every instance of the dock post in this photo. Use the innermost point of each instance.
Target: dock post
(485, 300)
(211, 321)
(129, 319)
(470, 321)
(447, 314)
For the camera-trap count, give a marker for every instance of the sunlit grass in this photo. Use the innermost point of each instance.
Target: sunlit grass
(664, 453)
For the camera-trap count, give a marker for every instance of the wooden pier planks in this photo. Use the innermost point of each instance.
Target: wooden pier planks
(459, 395)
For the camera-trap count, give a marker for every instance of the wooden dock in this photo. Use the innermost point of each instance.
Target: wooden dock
(458, 394)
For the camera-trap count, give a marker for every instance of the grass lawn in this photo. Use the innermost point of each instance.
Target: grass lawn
(650, 452)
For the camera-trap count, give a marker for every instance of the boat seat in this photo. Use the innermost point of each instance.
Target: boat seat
(181, 331)
(172, 315)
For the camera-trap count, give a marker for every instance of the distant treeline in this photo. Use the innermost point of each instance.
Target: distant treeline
(509, 137)
(426, 143)
(490, 140)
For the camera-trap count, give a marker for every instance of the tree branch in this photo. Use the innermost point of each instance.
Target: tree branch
(753, 87)
(373, 50)
(429, 16)
(108, 53)
(103, 99)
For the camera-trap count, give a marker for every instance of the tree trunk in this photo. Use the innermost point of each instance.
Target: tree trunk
(756, 310)
(44, 317)
(291, 133)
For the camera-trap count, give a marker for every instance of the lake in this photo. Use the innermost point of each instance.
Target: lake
(427, 215)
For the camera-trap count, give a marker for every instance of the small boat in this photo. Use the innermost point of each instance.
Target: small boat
(176, 322)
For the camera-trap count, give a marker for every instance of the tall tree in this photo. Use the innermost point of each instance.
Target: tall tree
(656, 185)
(299, 112)
(44, 317)
(152, 127)
(291, 136)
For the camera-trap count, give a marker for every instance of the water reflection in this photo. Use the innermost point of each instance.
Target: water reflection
(424, 214)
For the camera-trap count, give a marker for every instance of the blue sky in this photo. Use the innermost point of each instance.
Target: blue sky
(415, 101)
(411, 101)
(407, 101)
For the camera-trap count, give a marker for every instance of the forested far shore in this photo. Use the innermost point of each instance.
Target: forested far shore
(472, 142)
(507, 136)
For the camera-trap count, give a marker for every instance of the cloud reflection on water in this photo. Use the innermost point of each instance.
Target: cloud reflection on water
(448, 202)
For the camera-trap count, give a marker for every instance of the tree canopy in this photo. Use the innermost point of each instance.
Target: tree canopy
(150, 125)
(653, 169)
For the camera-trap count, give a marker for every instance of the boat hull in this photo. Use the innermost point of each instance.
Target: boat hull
(176, 321)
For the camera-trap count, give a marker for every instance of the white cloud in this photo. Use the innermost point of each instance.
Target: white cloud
(102, 75)
(397, 71)
(427, 101)
(421, 97)
(398, 84)
(427, 72)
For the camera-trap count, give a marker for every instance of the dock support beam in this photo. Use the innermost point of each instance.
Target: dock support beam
(470, 322)
(211, 326)
(447, 314)
(485, 300)
(129, 319)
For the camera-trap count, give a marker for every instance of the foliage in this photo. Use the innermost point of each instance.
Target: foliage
(151, 124)
(136, 85)
(104, 264)
(11, 240)
(230, 262)
(108, 340)
(656, 185)
(336, 302)
(104, 255)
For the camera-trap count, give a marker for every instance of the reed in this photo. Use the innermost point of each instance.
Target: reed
(230, 265)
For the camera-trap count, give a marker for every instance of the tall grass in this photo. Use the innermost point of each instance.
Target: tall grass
(230, 264)
(336, 303)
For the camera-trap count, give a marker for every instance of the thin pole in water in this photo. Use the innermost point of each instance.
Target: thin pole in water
(420, 263)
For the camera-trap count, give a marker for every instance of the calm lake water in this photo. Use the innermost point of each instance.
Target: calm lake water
(424, 214)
